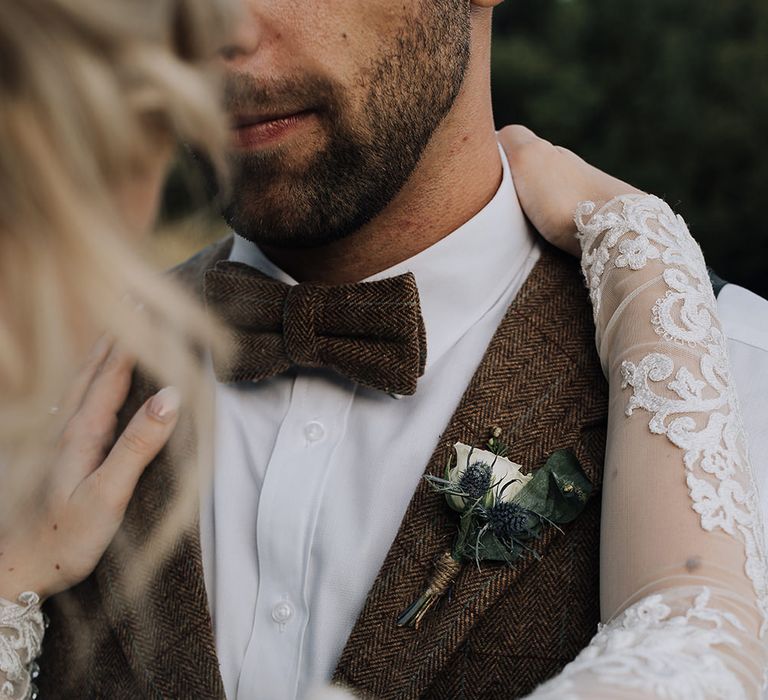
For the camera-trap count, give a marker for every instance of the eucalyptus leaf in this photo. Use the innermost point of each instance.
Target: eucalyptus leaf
(469, 534)
(491, 548)
(466, 529)
(477, 543)
(533, 526)
(558, 491)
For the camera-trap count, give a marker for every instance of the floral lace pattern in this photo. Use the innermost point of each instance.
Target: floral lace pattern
(21, 636)
(651, 649)
(633, 230)
(681, 642)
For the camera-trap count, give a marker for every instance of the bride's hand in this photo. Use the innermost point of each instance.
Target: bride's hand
(56, 543)
(551, 182)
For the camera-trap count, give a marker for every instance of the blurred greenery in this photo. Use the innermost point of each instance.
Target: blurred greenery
(671, 95)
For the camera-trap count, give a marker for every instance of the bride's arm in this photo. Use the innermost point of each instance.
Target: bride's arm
(52, 541)
(683, 568)
(683, 564)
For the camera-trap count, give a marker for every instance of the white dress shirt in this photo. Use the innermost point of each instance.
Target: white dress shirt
(313, 473)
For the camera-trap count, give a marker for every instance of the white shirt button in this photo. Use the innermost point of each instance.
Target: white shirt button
(282, 612)
(314, 431)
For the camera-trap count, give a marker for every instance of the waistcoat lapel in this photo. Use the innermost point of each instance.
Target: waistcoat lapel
(159, 612)
(541, 383)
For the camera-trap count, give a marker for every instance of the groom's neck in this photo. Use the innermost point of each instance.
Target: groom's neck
(457, 176)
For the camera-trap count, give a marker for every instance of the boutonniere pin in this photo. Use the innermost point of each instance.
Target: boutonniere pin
(501, 511)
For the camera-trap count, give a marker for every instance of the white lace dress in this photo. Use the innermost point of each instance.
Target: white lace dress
(683, 564)
(21, 636)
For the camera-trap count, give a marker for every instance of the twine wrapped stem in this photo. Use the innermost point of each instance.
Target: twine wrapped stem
(446, 570)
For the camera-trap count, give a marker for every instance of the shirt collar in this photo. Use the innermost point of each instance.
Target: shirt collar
(461, 277)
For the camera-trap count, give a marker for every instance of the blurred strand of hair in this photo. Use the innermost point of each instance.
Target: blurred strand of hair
(89, 90)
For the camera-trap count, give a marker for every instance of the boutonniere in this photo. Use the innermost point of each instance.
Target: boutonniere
(501, 511)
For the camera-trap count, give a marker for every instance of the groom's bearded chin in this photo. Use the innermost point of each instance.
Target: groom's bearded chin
(370, 141)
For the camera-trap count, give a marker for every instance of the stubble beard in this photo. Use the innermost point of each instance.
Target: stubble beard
(368, 155)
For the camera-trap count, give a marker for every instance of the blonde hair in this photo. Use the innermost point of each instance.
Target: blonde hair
(88, 91)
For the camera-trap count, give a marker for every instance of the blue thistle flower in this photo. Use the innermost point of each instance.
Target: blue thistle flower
(508, 520)
(476, 480)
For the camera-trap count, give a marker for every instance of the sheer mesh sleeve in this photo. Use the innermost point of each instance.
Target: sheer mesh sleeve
(21, 635)
(683, 565)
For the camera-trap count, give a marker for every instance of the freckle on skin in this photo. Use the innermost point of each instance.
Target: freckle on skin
(692, 564)
(57, 567)
(55, 526)
(344, 35)
(11, 569)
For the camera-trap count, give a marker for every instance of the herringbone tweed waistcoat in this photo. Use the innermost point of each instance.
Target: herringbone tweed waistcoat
(498, 633)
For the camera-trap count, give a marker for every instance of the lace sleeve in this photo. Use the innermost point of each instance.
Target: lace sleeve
(21, 636)
(683, 565)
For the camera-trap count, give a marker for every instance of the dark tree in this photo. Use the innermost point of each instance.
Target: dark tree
(671, 95)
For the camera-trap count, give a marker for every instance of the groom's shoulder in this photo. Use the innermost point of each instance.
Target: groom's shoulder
(191, 272)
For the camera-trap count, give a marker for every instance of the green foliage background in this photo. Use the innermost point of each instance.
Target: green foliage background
(671, 95)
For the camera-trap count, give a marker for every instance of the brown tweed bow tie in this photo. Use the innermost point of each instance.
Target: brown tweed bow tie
(370, 332)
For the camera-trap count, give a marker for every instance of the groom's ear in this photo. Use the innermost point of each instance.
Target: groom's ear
(487, 3)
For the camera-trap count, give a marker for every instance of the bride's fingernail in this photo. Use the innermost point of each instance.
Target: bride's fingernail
(164, 405)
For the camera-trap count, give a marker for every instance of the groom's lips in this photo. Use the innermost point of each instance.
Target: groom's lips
(256, 131)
